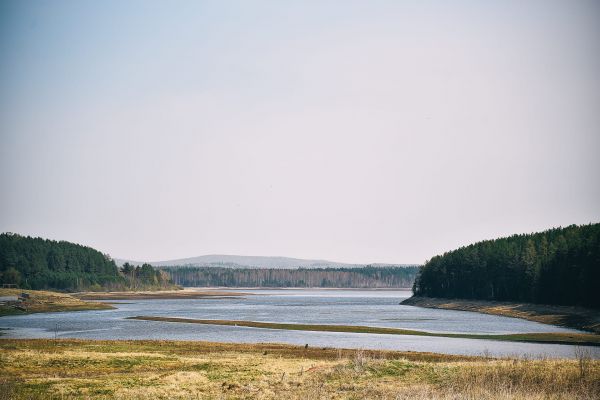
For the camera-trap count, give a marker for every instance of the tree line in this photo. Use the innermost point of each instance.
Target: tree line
(558, 266)
(145, 277)
(365, 277)
(36, 263)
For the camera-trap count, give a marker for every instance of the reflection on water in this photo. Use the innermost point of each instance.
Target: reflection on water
(344, 307)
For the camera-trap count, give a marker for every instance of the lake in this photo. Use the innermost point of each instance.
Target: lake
(379, 308)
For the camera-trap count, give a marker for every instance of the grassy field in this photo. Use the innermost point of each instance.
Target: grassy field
(582, 339)
(42, 301)
(70, 369)
(571, 317)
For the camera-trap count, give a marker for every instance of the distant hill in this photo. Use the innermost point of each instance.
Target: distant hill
(37, 263)
(235, 261)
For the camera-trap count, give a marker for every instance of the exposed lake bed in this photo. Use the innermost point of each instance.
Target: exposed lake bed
(568, 316)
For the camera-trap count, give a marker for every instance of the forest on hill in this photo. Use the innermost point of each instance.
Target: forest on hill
(365, 277)
(558, 266)
(36, 263)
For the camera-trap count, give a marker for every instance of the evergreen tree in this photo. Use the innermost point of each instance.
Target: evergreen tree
(558, 266)
(36, 263)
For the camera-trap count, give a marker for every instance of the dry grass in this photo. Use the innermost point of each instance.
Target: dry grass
(43, 301)
(68, 369)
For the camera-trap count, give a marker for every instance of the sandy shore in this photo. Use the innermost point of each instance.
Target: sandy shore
(570, 317)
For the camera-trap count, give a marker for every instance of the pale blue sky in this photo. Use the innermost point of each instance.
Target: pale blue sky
(356, 131)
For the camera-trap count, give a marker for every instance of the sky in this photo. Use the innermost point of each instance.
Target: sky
(354, 131)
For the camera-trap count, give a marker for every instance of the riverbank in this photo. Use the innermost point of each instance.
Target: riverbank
(581, 339)
(39, 301)
(163, 294)
(569, 317)
(72, 369)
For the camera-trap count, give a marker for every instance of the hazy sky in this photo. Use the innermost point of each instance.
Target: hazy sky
(358, 131)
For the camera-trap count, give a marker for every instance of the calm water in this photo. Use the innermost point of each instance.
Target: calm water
(347, 307)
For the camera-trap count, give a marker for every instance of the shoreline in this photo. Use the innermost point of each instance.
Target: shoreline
(195, 292)
(579, 339)
(389, 289)
(163, 294)
(566, 316)
(273, 348)
(40, 301)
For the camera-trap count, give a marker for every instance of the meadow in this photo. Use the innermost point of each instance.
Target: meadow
(80, 369)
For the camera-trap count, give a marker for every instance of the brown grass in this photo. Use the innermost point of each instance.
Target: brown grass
(69, 369)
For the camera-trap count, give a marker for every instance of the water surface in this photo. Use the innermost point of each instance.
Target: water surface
(320, 306)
